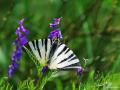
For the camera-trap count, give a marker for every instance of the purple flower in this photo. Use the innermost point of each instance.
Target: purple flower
(21, 40)
(55, 23)
(55, 34)
(80, 71)
(10, 72)
(21, 29)
(17, 54)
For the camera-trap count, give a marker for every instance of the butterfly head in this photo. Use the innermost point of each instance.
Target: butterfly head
(45, 69)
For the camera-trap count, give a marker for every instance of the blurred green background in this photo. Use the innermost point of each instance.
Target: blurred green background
(91, 28)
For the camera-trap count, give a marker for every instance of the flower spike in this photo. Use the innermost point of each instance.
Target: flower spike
(21, 40)
(55, 23)
(56, 33)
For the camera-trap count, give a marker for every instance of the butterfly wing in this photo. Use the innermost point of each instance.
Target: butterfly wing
(41, 49)
(63, 58)
(57, 55)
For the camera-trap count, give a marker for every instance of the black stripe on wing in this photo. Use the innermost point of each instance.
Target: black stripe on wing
(71, 57)
(46, 41)
(62, 50)
(37, 44)
(53, 49)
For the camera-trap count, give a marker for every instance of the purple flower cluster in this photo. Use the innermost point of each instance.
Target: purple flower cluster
(21, 40)
(56, 33)
(22, 34)
(55, 23)
(80, 71)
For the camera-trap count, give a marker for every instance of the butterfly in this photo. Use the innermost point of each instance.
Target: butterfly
(54, 54)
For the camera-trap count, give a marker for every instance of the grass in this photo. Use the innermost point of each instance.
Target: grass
(108, 82)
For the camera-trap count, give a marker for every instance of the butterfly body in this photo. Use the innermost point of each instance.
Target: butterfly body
(45, 69)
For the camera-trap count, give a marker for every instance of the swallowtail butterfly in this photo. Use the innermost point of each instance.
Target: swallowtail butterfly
(54, 54)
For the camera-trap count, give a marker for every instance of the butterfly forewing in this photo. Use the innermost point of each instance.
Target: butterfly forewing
(41, 49)
(64, 58)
